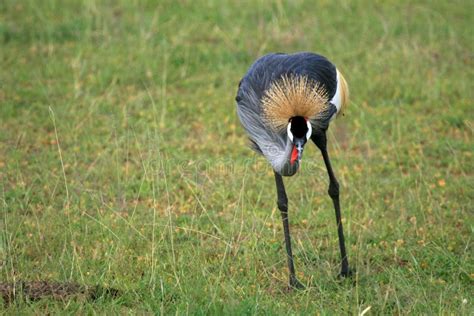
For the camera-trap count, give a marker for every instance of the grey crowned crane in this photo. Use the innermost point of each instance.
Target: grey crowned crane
(283, 101)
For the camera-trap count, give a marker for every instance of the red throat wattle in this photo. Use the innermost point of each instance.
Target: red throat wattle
(294, 155)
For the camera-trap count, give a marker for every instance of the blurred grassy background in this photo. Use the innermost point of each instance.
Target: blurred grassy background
(123, 164)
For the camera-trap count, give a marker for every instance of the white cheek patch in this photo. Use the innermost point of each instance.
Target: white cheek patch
(310, 130)
(290, 134)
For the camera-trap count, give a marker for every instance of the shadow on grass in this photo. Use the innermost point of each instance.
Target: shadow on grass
(36, 290)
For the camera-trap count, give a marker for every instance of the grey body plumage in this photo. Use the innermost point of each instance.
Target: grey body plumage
(302, 92)
(272, 144)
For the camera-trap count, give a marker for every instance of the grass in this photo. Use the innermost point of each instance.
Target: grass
(123, 164)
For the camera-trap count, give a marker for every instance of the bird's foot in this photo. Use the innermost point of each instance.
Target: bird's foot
(346, 273)
(295, 284)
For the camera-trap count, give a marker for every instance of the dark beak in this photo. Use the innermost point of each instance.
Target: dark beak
(299, 144)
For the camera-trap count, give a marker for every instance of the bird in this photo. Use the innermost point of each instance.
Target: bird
(283, 102)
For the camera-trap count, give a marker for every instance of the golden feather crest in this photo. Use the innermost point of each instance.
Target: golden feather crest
(293, 96)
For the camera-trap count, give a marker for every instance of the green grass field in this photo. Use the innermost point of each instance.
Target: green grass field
(123, 163)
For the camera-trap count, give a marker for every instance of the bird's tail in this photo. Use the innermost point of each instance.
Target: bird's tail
(344, 92)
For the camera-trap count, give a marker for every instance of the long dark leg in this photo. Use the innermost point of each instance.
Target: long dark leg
(283, 207)
(321, 142)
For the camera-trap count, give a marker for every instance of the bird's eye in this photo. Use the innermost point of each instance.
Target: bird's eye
(310, 130)
(290, 134)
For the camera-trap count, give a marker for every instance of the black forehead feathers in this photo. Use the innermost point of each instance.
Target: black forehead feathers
(298, 126)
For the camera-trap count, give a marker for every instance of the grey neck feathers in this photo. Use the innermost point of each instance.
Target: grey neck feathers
(281, 161)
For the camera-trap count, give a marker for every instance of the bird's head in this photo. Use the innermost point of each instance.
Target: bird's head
(299, 132)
